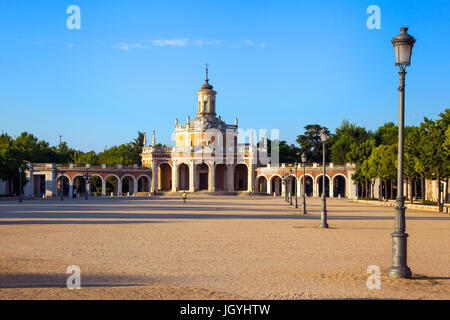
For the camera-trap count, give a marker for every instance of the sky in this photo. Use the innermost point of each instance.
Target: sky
(136, 66)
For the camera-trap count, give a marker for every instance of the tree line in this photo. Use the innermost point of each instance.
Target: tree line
(427, 152)
(427, 149)
(15, 152)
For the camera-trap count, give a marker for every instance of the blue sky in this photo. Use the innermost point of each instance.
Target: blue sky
(136, 65)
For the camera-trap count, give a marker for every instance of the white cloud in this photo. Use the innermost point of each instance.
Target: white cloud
(181, 42)
(186, 42)
(127, 46)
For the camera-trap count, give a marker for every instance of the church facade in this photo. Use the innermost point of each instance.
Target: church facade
(207, 157)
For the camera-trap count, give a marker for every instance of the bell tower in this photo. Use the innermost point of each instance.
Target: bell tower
(206, 98)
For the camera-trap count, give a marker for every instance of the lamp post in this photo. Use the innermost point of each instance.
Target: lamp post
(290, 187)
(403, 44)
(285, 187)
(323, 215)
(20, 184)
(87, 180)
(304, 183)
(62, 185)
(296, 183)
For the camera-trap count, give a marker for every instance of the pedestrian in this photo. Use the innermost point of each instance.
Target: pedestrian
(155, 195)
(184, 196)
(249, 193)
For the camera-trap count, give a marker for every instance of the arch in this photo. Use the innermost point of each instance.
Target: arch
(112, 184)
(96, 184)
(143, 183)
(293, 182)
(339, 185)
(127, 182)
(63, 185)
(202, 172)
(240, 177)
(79, 185)
(237, 164)
(165, 176)
(183, 176)
(309, 184)
(220, 177)
(261, 183)
(320, 185)
(275, 182)
(76, 176)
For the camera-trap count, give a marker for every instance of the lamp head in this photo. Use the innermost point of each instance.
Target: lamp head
(323, 135)
(403, 44)
(304, 157)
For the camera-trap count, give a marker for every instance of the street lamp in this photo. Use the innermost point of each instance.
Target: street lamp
(20, 184)
(290, 187)
(87, 180)
(304, 178)
(62, 185)
(296, 181)
(403, 44)
(323, 215)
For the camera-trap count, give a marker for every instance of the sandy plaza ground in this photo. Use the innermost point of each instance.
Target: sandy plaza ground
(214, 247)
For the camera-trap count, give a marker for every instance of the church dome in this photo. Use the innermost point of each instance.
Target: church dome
(206, 85)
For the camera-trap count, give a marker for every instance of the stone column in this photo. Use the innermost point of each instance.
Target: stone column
(88, 188)
(376, 188)
(174, 177)
(28, 188)
(212, 178)
(71, 188)
(50, 184)
(315, 188)
(103, 187)
(250, 179)
(192, 177)
(331, 184)
(135, 186)
(230, 177)
(119, 187)
(351, 187)
(196, 178)
(154, 186)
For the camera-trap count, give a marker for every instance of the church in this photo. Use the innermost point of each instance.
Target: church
(207, 157)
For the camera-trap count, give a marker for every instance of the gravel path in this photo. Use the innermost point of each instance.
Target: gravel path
(226, 247)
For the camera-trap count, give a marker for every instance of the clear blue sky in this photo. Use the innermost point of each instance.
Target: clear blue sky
(136, 65)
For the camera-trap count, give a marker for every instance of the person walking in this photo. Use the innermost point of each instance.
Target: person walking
(184, 196)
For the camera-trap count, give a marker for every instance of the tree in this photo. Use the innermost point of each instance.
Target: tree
(434, 157)
(383, 161)
(358, 154)
(387, 134)
(11, 159)
(311, 144)
(346, 135)
(412, 156)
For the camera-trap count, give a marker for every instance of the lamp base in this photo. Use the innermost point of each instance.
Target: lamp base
(399, 272)
(399, 268)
